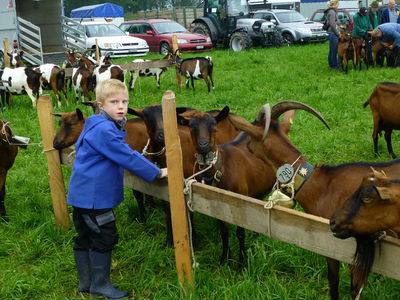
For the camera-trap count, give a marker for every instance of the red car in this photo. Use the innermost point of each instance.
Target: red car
(158, 35)
(345, 16)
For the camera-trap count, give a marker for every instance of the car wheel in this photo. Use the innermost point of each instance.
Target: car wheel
(288, 39)
(240, 41)
(165, 48)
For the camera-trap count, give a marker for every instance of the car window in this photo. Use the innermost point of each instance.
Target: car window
(125, 27)
(319, 17)
(103, 30)
(353, 12)
(265, 16)
(144, 28)
(290, 16)
(166, 27)
(343, 17)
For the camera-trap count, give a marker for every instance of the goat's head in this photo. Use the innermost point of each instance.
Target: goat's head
(71, 126)
(344, 36)
(71, 55)
(152, 116)
(16, 58)
(268, 140)
(372, 208)
(202, 128)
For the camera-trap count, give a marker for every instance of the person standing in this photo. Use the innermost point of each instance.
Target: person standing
(96, 187)
(362, 26)
(333, 33)
(391, 13)
(374, 14)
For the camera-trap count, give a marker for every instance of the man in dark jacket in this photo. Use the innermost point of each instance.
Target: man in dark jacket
(391, 13)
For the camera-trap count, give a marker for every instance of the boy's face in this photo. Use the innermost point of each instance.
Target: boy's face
(116, 106)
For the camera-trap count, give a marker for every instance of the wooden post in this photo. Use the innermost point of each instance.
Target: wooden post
(175, 187)
(175, 48)
(6, 50)
(97, 53)
(56, 181)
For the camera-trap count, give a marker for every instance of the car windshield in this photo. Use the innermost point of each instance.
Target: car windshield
(289, 17)
(238, 7)
(98, 30)
(353, 12)
(167, 27)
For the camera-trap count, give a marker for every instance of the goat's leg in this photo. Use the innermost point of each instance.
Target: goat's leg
(225, 241)
(55, 91)
(376, 119)
(30, 94)
(187, 82)
(134, 76)
(167, 211)
(207, 82)
(333, 278)
(355, 289)
(388, 138)
(142, 210)
(241, 235)
(212, 82)
(192, 80)
(158, 79)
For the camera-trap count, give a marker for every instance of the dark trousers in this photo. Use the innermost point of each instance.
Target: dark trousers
(333, 59)
(95, 228)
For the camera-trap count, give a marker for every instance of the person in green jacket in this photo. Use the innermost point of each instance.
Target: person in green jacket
(362, 27)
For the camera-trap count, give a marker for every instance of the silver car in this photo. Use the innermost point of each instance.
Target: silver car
(293, 26)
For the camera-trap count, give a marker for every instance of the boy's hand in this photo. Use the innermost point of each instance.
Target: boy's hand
(163, 173)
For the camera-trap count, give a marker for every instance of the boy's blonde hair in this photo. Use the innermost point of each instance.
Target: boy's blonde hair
(108, 88)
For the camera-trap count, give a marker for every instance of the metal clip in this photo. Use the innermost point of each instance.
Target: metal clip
(217, 176)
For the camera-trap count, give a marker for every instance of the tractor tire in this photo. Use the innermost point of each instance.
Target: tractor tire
(278, 39)
(287, 39)
(200, 28)
(240, 41)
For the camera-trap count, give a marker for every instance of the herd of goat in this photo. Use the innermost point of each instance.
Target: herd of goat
(87, 73)
(361, 199)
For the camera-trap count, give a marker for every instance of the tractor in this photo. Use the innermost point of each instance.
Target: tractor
(228, 23)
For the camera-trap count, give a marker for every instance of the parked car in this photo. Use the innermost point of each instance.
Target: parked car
(345, 16)
(110, 38)
(158, 34)
(293, 26)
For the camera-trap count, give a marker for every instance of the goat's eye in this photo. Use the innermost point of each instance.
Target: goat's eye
(366, 200)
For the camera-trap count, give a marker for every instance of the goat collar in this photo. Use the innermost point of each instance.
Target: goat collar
(302, 174)
(209, 160)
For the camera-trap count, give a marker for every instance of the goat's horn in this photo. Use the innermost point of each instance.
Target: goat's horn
(284, 106)
(265, 112)
(85, 52)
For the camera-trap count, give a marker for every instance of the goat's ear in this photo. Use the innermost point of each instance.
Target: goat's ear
(58, 115)
(244, 125)
(9, 54)
(79, 114)
(182, 120)
(181, 110)
(21, 53)
(287, 121)
(384, 193)
(222, 114)
(136, 112)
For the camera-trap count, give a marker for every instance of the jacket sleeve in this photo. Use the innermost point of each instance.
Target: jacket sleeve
(111, 144)
(333, 26)
(385, 16)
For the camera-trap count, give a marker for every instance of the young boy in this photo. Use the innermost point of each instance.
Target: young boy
(96, 186)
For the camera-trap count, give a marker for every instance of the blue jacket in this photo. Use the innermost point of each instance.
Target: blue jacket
(385, 15)
(101, 156)
(390, 31)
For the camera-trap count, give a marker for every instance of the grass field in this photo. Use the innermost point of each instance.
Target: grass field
(36, 261)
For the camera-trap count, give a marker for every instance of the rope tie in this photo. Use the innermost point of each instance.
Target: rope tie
(145, 153)
(4, 132)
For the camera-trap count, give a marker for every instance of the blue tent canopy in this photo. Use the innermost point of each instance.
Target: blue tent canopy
(106, 10)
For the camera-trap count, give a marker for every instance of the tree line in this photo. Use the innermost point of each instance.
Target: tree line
(131, 6)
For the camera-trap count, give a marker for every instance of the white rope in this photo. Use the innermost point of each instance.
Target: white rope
(4, 132)
(145, 153)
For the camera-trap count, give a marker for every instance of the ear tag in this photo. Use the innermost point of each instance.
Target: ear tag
(285, 173)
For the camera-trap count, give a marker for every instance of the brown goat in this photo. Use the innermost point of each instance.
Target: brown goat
(374, 207)
(8, 152)
(360, 50)
(71, 126)
(346, 51)
(196, 68)
(325, 189)
(384, 102)
(381, 51)
(53, 78)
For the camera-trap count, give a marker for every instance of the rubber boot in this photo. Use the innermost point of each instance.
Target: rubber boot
(83, 267)
(100, 264)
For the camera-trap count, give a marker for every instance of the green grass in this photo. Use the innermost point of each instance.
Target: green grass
(36, 261)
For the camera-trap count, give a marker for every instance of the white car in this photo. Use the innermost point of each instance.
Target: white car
(109, 39)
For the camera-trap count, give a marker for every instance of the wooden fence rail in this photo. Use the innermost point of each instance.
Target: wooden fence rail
(294, 227)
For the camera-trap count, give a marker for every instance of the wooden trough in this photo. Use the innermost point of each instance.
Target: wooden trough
(294, 227)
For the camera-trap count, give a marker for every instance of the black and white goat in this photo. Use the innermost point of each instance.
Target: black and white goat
(16, 58)
(148, 72)
(20, 81)
(53, 78)
(196, 68)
